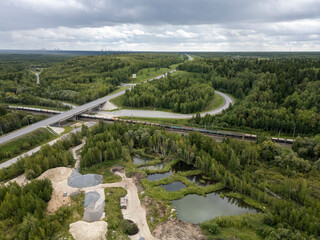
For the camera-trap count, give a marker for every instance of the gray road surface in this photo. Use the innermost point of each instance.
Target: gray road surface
(38, 78)
(32, 151)
(160, 114)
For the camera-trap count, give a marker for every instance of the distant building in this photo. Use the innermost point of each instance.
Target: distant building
(134, 75)
(124, 202)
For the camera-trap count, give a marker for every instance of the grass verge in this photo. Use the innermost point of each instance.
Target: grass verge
(113, 212)
(25, 143)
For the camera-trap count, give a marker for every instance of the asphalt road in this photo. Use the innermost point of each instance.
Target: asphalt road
(32, 151)
(84, 108)
(161, 114)
(58, 118)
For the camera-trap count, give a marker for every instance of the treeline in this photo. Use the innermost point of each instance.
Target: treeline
(47, 157)
(84, 79)
(23, 212)
(18, 83)
(10, 121)
(274, 94)
(273, 177)
(179, 93)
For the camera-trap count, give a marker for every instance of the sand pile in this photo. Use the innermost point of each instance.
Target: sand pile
(88, 231)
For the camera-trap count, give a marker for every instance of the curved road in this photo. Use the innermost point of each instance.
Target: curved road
(129, 113)
(161, 114)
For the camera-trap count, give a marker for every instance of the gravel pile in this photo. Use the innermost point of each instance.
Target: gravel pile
(94, 206)
(78, 180)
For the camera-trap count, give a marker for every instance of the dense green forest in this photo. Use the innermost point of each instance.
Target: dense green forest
(47, 157)
(18, 83)
(11, 120)
(23, 212)
(284, 183)
(77, 80)
(179, 93)
(274, 94)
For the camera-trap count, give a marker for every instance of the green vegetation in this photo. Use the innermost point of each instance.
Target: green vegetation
(47, 157)
(104, 170)
(116, 224)
(78, 80)
(149, 73)
(24, 143)
(177, 92)
(10, 120)
(279, 182)
(276, 95)
(23, 212)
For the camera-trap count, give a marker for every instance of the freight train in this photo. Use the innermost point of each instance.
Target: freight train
(176, 128)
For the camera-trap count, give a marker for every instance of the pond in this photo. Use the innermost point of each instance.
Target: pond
(174, 186)
(200, 180)
(158, 176)
(137, 160)
(158, 166)
(182, 167)
(196, 208)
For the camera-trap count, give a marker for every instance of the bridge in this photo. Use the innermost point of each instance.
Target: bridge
(59, 118)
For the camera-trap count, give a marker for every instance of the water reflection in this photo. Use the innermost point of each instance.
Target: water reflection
(196, 209)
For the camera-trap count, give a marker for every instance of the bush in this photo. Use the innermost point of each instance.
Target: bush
(129, 227)
(214, 229)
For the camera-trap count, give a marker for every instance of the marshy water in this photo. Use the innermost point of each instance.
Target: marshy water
(174, 186)
(196, 208)
(158, 176)
(158, 166)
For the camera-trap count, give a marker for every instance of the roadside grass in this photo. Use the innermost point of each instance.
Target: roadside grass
(215, 103)
(103, 169)
(247, 226)
(25, 143)
(113, 213)
(149, 73)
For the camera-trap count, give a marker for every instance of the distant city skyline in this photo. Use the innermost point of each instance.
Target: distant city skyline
(175, 25)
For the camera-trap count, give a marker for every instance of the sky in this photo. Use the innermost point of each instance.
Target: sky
(161, 25)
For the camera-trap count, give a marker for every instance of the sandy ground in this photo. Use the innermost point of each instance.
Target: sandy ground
(108, 106)
(134, 211)
(57, 130)
(20, 180)
(76, 155)
(59, 178)
(88, 231)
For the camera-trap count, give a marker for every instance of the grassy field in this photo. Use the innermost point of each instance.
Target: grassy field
(245, 227)
(113, 213)
(148, 73)
(25, 143)
(104, 169)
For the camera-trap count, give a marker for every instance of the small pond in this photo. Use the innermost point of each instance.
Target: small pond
(196, 208)
(182, 167)
(137, 160)
(174, 186)
(200, 180)
(158, 176)
(158, 166)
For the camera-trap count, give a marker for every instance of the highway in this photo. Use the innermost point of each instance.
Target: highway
(130, 113)
(161, 114)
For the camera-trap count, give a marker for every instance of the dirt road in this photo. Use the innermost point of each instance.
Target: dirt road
(134, 211)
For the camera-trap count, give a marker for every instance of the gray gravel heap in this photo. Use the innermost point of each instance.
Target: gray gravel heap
(92, 211)
(78, 180)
